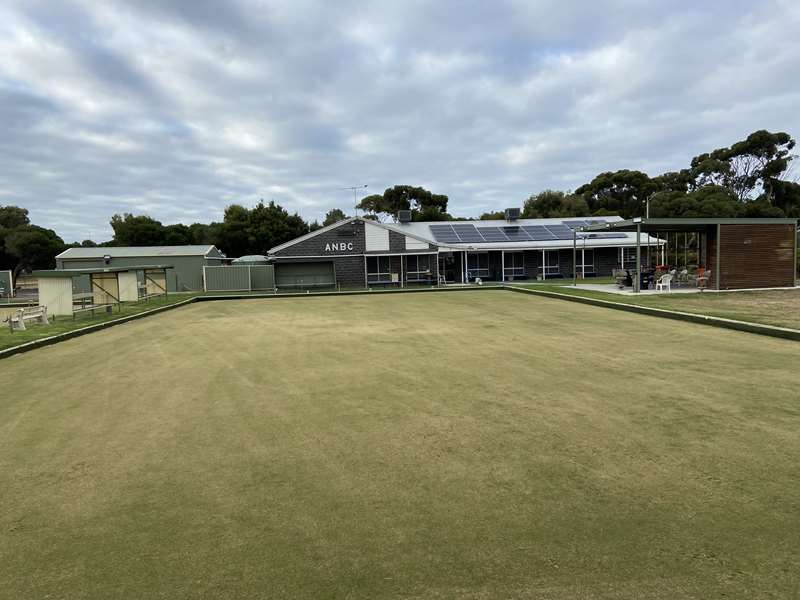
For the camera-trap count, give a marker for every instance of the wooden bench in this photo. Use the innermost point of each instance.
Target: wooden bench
(36, 313)
(93, 307)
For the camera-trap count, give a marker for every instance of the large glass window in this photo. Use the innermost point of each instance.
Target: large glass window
(478, 264)
(551, 265)
(418, 267)
(514, 265)
(585, 261)
(378, 270)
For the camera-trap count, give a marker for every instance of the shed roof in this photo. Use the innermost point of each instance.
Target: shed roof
(137, 251)
(64, 273)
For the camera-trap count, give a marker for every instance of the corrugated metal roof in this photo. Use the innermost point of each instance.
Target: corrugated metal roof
(136, 251)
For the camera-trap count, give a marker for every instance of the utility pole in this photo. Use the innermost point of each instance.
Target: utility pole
(355, 189)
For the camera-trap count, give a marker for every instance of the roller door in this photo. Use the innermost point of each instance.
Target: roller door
(305, 274)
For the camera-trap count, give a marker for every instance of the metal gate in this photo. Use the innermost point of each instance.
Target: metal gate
(239, 278)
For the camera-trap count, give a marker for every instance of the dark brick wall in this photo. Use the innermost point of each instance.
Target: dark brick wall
(397, 242)
(315, 246)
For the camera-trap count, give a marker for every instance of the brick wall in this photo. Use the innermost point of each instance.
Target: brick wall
(323, 244)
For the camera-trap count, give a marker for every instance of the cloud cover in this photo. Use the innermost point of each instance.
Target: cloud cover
(176, 109)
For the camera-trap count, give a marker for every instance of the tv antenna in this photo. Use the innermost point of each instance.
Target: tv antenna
(355, 189)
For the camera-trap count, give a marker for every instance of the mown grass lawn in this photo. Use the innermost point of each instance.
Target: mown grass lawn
(447, 445)
(772, 307)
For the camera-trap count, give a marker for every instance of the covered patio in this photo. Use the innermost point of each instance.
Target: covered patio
(709, 253)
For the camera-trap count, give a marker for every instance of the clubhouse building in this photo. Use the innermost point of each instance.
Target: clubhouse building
(359, 252)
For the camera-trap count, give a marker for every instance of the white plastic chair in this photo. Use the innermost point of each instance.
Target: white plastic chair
(665, 281)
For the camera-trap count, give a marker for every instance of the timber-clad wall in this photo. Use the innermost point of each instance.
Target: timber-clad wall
(754, 256)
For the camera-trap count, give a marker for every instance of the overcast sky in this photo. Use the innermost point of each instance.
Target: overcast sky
(177, 108)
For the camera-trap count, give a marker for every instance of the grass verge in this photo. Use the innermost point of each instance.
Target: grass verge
(60, 325)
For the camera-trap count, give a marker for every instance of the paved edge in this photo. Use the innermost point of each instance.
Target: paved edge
(757, 328)
(61, 337)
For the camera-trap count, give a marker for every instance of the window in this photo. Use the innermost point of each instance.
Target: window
(378, 269)
(551, 266)
(478, 264)
(418, 267)
(585, 260)
(628, 257)
(514, 265)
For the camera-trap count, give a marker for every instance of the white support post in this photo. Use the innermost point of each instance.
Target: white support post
(637, 282)
(544, 265)
(583, 262)
(503, 265)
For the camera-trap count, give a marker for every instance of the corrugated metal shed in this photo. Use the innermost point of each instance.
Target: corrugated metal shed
(187, 262)
(139, 251)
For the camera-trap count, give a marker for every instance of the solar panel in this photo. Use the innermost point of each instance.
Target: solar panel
(562, 232)
(538, 233)
(575, 224)
(516, 234)
(493, 234)
(467, 232)
(444, 234)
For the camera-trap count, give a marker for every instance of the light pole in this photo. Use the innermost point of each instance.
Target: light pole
(355, 189)
(647, 205)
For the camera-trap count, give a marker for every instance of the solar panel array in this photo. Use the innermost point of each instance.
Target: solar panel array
(467, 233)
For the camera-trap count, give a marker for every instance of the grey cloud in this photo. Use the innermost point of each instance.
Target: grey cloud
(178, 109)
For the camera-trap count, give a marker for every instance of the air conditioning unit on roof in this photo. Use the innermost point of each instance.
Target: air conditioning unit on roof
(512, 214)
(404, 216)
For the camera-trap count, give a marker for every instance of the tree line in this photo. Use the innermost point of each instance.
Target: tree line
(747, 179)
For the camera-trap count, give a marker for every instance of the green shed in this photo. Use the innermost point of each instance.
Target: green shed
(187, 262)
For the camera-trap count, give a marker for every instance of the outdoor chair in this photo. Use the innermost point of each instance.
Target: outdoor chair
(683, 277)
(664, 282)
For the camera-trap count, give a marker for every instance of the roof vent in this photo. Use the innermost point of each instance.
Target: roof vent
(512, 214)
(404, 216)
